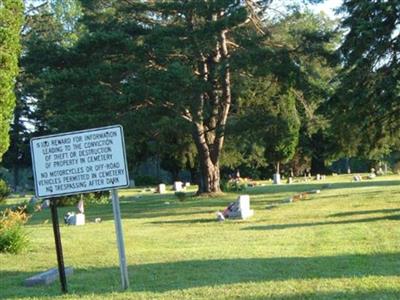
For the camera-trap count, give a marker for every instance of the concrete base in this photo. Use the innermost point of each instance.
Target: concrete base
(47, 277)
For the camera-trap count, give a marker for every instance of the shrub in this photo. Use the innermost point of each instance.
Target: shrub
(181, 196)
(89, 198)
(13, 238)
(146, 180)
(233, 185)
(5, 190)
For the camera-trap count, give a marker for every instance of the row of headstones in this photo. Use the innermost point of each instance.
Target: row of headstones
(277, 178)
(178, 186)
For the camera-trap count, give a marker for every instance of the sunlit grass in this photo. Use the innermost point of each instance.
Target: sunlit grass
(342, 243)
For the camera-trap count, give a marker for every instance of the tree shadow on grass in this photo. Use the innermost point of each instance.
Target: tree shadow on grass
(362, 184)
(169, 276)
(294, 225)
(190, 221)
(377, 294)
(366, 212)
(285, 188)
(168, 207)
(304, 187)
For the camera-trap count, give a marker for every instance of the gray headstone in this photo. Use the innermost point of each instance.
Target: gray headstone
(45, 204)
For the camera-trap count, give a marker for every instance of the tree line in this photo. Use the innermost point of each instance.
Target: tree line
(210, 86)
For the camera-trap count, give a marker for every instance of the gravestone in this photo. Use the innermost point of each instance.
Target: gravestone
(132, 183)
(74, 219)
(239, 209)
(277, 178)
(45, 204)
(161, 188)
(178, 186)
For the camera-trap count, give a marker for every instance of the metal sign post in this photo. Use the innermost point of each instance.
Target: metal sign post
(120, 240)
(80, 162)
(57, 238)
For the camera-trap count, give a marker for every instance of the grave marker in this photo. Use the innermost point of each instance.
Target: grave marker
(178, 186)
(161, 188)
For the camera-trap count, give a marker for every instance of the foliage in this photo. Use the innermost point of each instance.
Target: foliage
(171, 73)
(181, 196)
(88, 198)
(11, 18)
(145, 180)
(282, 134)
(233, 185)
(5, 190)
(365, 107)
(280, 110)
(13, 238)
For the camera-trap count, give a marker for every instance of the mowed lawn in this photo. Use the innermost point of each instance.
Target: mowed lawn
(343, 243)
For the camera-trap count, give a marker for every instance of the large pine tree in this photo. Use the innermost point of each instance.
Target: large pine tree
(140, 61)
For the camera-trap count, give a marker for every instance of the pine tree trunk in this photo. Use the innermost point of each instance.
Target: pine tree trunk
(210, 115)
(210, 179)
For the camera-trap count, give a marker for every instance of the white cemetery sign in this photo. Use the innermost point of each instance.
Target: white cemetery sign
(80, 161)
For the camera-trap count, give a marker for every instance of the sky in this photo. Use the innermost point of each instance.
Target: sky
(328, 7)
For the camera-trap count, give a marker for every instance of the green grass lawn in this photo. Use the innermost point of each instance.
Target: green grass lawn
(343, 243)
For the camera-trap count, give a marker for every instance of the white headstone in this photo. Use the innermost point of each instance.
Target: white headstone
(241, 208)
(79, 219)
(74, 219)
(132, 183)
(161, 188)
(244, 207)
(277, 178)
(178, 186)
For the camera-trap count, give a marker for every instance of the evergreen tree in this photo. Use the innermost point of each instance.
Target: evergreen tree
(11, 18)
(365, 108)
(142, 60)
(284, 109)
